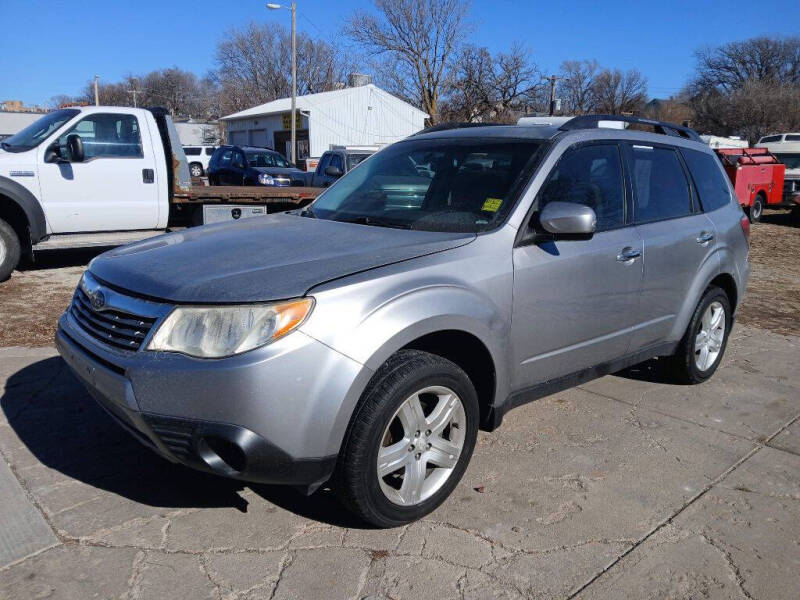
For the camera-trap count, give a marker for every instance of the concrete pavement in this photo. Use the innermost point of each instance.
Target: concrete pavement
(628, 486)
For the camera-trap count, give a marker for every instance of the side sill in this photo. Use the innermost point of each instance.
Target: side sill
(552, 386)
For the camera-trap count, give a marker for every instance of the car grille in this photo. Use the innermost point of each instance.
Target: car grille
(114, 327)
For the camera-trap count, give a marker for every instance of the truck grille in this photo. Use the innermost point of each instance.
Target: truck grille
(113, 327)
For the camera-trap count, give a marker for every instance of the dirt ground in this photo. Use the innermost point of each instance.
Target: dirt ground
(34, 297)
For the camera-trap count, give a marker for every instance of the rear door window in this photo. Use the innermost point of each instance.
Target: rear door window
(710, 182)
(191, 151)
(336, 161)
(592, 176)
(225, 158)
(660, 187)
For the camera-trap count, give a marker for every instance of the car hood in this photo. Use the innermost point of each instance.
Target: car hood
(259, 259)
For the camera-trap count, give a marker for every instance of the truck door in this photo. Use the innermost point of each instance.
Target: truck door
(115, 188)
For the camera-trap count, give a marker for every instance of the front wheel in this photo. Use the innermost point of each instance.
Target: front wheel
(700, 351)
(10, 250)
(196, 170)
(410, 440)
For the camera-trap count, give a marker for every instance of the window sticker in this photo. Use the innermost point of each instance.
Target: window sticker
(492, 204)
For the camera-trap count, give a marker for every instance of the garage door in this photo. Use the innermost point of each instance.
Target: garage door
(258, 137)
(238, 138)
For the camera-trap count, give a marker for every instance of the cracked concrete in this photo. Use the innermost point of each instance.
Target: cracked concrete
(625, 487)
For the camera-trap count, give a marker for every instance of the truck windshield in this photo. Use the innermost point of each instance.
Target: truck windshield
(791, 160)
(39, 130)
(459, 185)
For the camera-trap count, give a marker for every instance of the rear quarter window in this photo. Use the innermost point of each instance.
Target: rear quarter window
(190, 151)
(709, 180)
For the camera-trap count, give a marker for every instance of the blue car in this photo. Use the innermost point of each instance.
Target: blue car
(246, 165)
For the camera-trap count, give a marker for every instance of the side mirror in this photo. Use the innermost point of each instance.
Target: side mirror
(75, 148)
(53, 154)
(568, 220)
(333, 171)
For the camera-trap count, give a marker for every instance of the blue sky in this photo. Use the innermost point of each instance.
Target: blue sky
(54, 47)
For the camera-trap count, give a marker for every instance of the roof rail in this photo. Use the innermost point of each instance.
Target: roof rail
(451, 125)
(662, 127)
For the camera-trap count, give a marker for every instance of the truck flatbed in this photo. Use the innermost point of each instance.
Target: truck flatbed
(299, 196)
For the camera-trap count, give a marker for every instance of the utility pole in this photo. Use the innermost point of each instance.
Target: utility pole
(294, 87)
(552, 79)
(96, 92)
(293, 8)
(134, 92)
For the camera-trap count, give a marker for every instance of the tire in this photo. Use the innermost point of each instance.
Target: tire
(378, 422)
(10, 250)
(686, 362)
(196, 170)
(757, 209)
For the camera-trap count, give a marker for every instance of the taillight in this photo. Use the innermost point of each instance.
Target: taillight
(745, 222)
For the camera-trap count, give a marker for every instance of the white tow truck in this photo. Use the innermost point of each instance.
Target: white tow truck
(104, 175)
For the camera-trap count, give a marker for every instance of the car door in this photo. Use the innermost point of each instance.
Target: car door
(677, 236)
(575, 300)
(115, 188)
(238, 168)
(319, 174)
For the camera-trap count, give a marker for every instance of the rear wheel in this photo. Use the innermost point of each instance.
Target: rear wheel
(10, 250)
(700, 351)
(196, 169)
(757, 209)
(410, 440)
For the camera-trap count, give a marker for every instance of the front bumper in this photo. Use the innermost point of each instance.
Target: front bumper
(273, 415)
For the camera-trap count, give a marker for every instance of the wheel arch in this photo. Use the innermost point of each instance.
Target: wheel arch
(22, 211)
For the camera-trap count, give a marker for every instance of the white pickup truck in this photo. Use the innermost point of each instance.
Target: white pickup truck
(103, 175)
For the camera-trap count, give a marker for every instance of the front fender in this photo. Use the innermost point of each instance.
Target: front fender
(34, 214)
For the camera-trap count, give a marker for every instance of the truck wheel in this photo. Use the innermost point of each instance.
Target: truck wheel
(757, 209)
(410, 439)
(10, 250)
(196, 169)
(700, 351)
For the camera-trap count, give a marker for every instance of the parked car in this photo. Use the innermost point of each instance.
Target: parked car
(198, 157)
(246, 165)
(336, 162)
(364, 342)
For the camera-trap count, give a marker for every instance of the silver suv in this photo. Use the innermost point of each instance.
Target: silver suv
(451, 277)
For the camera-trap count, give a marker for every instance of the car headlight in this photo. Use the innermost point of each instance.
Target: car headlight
(265, 179)
(220, 331)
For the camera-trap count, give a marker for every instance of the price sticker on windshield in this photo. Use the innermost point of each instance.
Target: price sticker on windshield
(492, 204)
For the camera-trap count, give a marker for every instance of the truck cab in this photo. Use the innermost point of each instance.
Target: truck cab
(339, 160)
(87, 169)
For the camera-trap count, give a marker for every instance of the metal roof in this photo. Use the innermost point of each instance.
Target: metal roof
(310, 101)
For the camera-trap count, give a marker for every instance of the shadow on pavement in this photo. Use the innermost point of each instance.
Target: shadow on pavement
(56, 259)
(65, 429)
(784, 218)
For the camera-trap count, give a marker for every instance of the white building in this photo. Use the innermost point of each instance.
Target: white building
(12, 122)
(352, 116)
(197, 134)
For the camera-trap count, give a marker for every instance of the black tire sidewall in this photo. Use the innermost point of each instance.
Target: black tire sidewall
(373, 504)
(756, 210)
(13, 250)
(693, 374)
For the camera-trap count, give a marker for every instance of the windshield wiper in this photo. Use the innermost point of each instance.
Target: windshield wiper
(376, 222)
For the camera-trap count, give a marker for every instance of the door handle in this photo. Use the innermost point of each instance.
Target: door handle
(148, 176)
(705, 237)
(628, 254)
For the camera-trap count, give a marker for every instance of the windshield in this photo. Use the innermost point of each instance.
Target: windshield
(354, 159)
(792, 161)
(266, 159)
(432, 185)
(39, 130)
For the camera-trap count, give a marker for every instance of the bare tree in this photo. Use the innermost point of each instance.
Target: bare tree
(615, 92)
(254, 65)
(748, 88)
(418, 39)
(576, 86)
(491, 88)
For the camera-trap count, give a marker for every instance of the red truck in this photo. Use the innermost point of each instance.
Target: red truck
(757, 177)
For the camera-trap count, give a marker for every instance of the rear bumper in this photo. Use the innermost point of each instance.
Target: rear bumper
(223, 428)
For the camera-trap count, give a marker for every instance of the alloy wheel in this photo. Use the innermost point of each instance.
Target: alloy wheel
(421, 445)
(709, 340)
